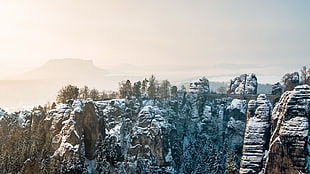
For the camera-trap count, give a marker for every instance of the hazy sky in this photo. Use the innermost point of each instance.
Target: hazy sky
(266, 37)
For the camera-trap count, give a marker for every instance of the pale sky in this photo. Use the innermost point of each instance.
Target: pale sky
(262, 36)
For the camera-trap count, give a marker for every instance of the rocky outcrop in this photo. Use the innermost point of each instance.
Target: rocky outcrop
(60, 141)
(190, 133)
(244, 84)
(236, 117)
(187, 134)
(287, 149)
(295, 78)
(277, 89)
(202, 85)
(289, 145)
(257, 134)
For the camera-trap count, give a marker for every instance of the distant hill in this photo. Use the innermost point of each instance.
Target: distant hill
(41, 84)
(64, 69)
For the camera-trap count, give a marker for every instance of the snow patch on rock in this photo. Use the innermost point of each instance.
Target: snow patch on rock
(238, 104)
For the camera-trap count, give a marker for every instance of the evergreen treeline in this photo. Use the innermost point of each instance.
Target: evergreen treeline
(147, 88)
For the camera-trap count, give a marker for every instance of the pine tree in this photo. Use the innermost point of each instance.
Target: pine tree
(164, 89)
(290, 81)
(174, 91)
(305, 76)
(125, 89)
(104, 95)
(53, 105)
(144, 86)
(231, 164)
(67, 93)
(151, 90)
(84, 92)
(94, 94)
(136, 89)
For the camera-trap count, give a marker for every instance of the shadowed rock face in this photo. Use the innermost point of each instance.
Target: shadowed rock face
(90, 129)
(288, 149)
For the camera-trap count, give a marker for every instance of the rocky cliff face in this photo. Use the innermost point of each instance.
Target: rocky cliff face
(288, 146)
(58, 142)
(244, 84)
(288, 150)
(186, 134)
(257, 135)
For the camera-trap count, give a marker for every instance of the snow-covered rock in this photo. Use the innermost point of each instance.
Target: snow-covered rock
(289, 146)
(239, 105)
(244, 84)
(202, 85)
(180, 135)
(257, 134)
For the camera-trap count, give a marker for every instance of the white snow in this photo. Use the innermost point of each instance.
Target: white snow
(168, 157)
(3, 113)
(22, 120)
(115, 131)
(78, 109)
(238, 104)
(71, 147)
(61, 106)
(76, 134)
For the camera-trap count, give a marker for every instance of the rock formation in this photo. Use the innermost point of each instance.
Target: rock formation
(244, 84)
(188, 134)
(257, 134)
(287, 149)
(277, 89)
(51, 143)
(289, 144)
(202, 85)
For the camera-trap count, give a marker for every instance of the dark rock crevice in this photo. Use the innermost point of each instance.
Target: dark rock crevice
(90, 127)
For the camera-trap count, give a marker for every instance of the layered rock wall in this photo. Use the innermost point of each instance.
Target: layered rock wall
(288, 149)
(257, 134)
